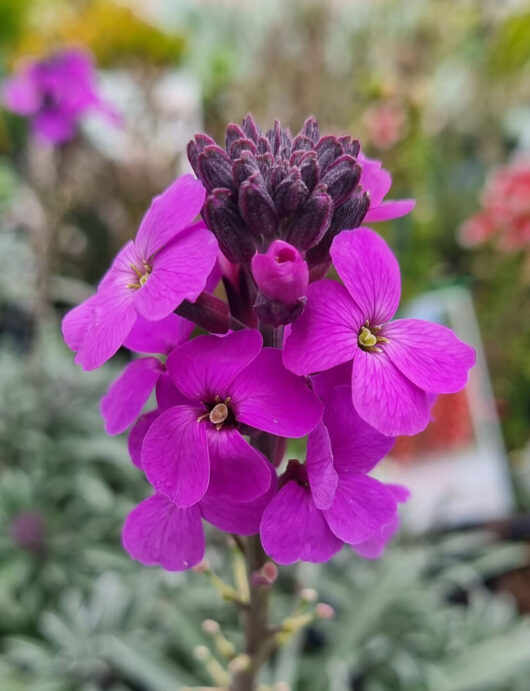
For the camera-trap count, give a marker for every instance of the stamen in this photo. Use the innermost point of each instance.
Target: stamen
(142, 277)
(136, 270)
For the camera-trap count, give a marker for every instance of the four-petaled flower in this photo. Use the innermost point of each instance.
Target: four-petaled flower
(395, 363)
(330, 499)
(232, 384)
(167, 263)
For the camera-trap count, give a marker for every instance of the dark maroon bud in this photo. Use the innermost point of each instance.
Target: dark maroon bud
(311, 130)
(232, 134)
(341, 178)
(354, 148)
(264, 146)
(237, 147)
(265, 161)
(257, 208)
(274, 135)
(311, 221)
(222, 218)
(244, 167)
(344, 141)
(286, 141)
(275, 174)
(250, 128)
(290, 194)
(348, 216)
(280, 140)
(328, 149)
(215, 168)
(277, 313)
(301, 143)
(195, 147)
(310, 170)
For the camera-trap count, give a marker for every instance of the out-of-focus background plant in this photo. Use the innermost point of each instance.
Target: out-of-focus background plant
(442, 96)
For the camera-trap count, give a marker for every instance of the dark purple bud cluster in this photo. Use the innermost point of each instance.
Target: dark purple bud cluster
(302, 189)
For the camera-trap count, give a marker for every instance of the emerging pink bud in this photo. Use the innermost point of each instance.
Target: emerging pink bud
(281, 273)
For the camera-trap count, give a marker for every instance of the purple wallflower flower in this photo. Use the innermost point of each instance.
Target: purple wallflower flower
(167, 263)
(55, 93)
(377, 182)
(395, 363)
(330, 500)
(230, 382)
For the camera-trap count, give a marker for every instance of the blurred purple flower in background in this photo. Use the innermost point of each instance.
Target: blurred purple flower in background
(55, 92)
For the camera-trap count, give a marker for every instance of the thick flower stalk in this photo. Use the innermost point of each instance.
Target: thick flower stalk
(290, 354)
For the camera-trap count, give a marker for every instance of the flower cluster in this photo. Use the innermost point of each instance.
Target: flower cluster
(55, 92)
(505, 216)
(289, 355)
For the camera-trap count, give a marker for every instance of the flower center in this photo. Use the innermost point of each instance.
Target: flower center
(141, 276)
(368, 338)
(219, 413)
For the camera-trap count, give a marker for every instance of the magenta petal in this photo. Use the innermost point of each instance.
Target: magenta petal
(374, 179)
(128, 394)
(206, 366)
(239, 518)
(180, 271)
(167, 394)
(237, 470)
(169, 213)
(293, 529)
(175, 455)
(322, 337)
(325, 382)
(361, 507)
(114, 316)
(21, 95)
(158, 337)
(54, 126)
(390, 209)
(356, 445)
(267, 396)
(374, 547)
(157, 532)
(321, 474)
(77, 321)
(137, 436)
(385, 398)
(369, 271)
(428, 354)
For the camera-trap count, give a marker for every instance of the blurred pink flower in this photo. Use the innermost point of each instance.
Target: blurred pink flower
(505, 211)
(386, 124)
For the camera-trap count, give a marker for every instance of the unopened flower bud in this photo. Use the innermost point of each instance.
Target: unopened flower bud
(201, 653)
(239, 664)
(202, 567)
(211, 627)
(281, 274)
(324, 611)
(266, 575)
(308, 594)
